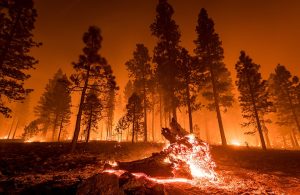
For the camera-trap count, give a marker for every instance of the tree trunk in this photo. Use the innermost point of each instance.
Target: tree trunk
(145, 119)
(13, 137)
(78, 118)
(132, 135)
(266, 134)
(54, 126)
(292, 141)
(295, 138)
(267, 139)
(133, 124)
(189, 108)
(217, 104)
(60, 128)
(11, 127)
(261, 136)
(153, 118)
(88, 129)
(127, 136)
(160, 111)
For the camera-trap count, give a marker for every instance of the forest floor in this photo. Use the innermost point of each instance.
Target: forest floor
(240, 170)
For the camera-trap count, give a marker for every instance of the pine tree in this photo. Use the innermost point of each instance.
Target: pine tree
(140, 71)
(134, 114)
(17, 20)
(92, 112)
(283, 88)
(122, 124)
(91, 67)
(218, 81)
(128, 90)
(32, 129)
(54, 107)
(166, 54)
(254, 97)
(190, 77)
(110, 99)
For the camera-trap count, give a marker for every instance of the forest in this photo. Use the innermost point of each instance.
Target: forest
(165, 129)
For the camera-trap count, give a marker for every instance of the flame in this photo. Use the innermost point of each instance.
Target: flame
(119, 172)
(186, 151)
(235, 142)
(197, 157)
(34, 139)
(113, 163)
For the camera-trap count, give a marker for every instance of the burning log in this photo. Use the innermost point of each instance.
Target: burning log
(185, 157)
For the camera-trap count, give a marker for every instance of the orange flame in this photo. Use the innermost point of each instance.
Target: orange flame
(197, 157)
(194, 153)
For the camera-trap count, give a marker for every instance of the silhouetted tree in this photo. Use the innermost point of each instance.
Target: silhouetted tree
(54, 107)
(153, 100)
(92, 112)
(166, 54)
(253, 93)
(283, 88)
(128, 90)
(140, 71)
(110, 100)
(218, 81)
(17, 20)
(32, 129)
(134, 114)
(122, 124)
(190, 77)
(91, 67)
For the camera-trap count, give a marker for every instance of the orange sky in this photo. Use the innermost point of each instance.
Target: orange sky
(266, 29)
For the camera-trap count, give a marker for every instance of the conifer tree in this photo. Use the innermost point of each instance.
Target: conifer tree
(90, 68)
(166, 54)
(190, 75)
(140, 71)
(218, 83)
(254, 97)
(284, 91)
(92, 112)
(128, 90)
(54, 106)
(134, 114)
(17, 20)
(110, 100)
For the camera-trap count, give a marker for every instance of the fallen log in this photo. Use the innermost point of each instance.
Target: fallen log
(164, 164)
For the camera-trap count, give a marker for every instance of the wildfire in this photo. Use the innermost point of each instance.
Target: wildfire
(235, 143)
(34, 139)
(4, 137)
(186, 155)
(195, 154)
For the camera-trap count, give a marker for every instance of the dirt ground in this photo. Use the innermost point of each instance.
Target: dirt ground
(240, 170)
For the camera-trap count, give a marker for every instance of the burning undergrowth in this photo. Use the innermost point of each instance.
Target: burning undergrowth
(185, 159)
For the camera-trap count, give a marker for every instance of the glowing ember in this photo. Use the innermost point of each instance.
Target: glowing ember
(193, 153)
(34, 139)
(113, 163)
(235, 143)
(157, 180)
(188, 158)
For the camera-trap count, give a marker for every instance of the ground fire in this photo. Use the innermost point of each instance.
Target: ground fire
(184, 159)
